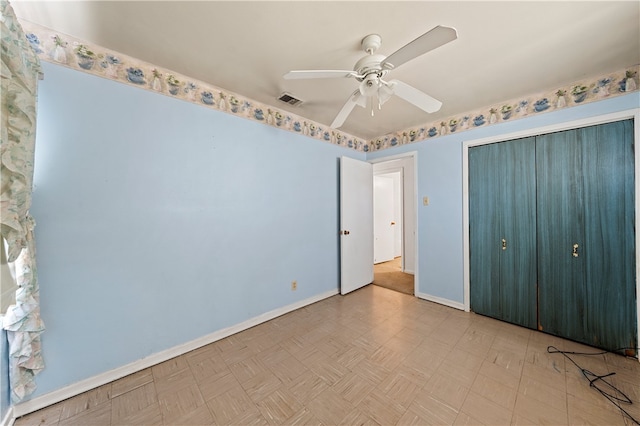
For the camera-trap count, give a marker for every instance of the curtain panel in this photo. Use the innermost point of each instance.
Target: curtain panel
(19, 78)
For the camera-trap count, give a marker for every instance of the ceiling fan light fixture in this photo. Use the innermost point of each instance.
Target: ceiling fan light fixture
(369, 86)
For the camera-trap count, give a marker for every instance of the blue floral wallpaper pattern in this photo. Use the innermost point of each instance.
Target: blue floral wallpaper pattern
(54, 47)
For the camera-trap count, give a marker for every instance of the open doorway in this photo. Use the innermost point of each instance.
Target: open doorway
(394, 224)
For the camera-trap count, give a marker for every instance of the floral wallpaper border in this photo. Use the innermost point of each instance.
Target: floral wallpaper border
(574, 94)
(55, 47)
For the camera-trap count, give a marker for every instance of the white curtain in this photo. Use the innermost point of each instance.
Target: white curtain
(19, 77)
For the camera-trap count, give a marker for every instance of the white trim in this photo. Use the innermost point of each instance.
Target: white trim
(590, 121)
(404, 156)
(441, 300)
(103, 378)
(8, 419)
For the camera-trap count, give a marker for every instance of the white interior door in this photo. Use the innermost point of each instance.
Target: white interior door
(356, 224)
(383, 219)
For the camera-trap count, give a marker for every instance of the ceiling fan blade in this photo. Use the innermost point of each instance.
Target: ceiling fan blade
(384, 93)
(355, 99)
(415, 96)
(430, 40)
(307, 74)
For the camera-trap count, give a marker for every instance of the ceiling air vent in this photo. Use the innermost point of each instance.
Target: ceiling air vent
(289, 99)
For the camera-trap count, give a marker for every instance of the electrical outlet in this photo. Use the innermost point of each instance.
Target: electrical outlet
(294, 285)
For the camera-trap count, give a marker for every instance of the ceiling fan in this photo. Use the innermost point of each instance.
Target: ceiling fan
(371, 70)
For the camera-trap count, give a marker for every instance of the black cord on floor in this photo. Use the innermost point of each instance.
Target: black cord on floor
(597, 382)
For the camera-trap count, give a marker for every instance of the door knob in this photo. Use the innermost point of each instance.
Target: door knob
(393, 223)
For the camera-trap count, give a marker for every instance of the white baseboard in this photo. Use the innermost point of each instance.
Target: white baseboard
(440, 300)
(77, 388)
(8, 418)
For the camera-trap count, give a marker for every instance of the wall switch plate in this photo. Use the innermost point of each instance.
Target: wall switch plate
(294, 285)
(425, 201)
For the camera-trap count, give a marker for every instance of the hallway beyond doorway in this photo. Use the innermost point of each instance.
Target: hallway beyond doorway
(389, 275)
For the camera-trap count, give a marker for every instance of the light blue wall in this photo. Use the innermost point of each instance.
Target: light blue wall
(440, 228)
(5, 398)
(160, 221)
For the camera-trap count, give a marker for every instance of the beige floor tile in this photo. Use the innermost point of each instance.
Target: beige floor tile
(209, 368)
(351, 357)
(263, 342)
(353, 388)
(486, 411)
(373, 357)
(370, 371)
(236, 354)
(273, 356)
(169, 367)
(175, 404)
(433, 349)
(230, 405)
(303, 417)
(579, 388)
(463, 419)
(512, 361)
(147, 416)
(216, 386)
(197, 417)
(329, 407)
(136, 400)
(95, 416)
(381, 409)
(538, 412)
(541, 391)
(500, 374)
(261, 385)
(289, 369)
(279, 406)
(447, 390)
(494, 391)
(49, 416)
(329, 371)
(131, 382)
(178, 380)
(553, 377)
(429, 411)
(307, 386)
(582, 412)
(84, 402)
(386, 358)
(357, 417)
(400, 387)
(201, 354)
(251, 418)
(247, 369)
(369, 343)
(465, 375)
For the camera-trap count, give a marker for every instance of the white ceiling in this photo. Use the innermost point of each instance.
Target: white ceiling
(504, 49)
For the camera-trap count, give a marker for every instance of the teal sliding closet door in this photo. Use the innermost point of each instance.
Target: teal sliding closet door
(560, 192)
(484, 230)
(518, 257)
(586, 235)
(502, 231)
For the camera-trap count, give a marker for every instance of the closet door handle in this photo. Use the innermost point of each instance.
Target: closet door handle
(504, 244)
(575, 253)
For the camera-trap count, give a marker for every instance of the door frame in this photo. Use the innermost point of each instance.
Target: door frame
(410, 191)
(633, 114)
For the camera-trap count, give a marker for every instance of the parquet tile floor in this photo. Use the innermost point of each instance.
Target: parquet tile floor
(372, 357)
